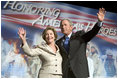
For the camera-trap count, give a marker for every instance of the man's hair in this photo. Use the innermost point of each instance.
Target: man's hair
(49, 28)
(70, 22)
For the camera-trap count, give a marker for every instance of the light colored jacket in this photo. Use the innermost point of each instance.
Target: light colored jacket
(51, 61)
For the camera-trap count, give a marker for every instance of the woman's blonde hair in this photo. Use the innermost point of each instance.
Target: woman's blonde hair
(49, 28)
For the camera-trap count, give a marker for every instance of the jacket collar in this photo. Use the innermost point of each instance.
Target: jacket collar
(71, 36)
(47, 48)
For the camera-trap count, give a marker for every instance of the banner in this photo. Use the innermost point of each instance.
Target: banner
(34, 17)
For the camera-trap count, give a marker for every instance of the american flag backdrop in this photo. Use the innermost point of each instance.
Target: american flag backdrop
(35, 16)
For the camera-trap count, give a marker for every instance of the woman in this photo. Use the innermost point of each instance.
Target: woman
(48, 53)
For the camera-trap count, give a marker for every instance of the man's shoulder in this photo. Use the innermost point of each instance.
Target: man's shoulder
(81, 32)
(59, 39)
(78, 33)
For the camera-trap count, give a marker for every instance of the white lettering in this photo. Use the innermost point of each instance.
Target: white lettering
(10, 4)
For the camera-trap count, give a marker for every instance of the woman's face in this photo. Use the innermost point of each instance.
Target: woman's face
(49, 37)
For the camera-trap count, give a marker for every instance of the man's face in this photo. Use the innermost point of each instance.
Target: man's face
(66, 28)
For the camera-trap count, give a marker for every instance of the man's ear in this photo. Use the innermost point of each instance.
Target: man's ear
(72, 27)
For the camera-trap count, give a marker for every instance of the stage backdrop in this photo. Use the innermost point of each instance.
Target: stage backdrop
(34, 17)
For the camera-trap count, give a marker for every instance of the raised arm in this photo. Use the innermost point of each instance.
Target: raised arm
(25, 46)
(22, 34)
(101, 14)
(90, 34)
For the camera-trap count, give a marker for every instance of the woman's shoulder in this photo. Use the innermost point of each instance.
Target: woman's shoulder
(41, 45)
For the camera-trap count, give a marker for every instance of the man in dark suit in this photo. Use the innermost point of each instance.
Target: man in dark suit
(73, 47)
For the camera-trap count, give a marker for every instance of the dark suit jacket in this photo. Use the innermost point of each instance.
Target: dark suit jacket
(77, 52)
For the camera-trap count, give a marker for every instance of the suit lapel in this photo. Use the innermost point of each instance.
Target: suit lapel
(72, 36)
(62, 42)
(47, 48)
(50, 49)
